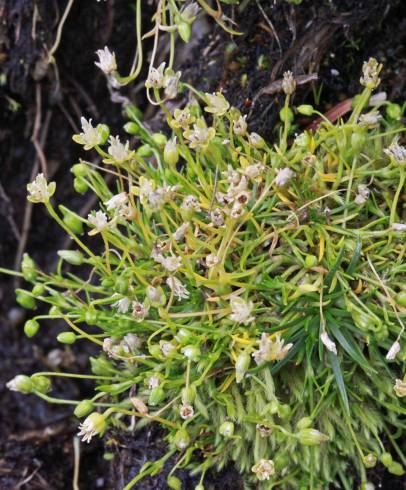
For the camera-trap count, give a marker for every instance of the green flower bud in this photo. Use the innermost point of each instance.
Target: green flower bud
(107, 282)
(79, 170)
(28, 267)
(108, 456)
(358, 141)
(200, 486)
(241, 366)
(284, 411)
(174, 482)
(156, 397)
(38, 290)
(72, 220)
(369, 460)
(74, 257)
(401, 298)
(181, 439)
(305, 109)
(31, 327)
(91, 317)
(192, 352)
(189, 394)
(66, 337)
(121, 285)
(310, 261)
(80, 185)
(21, 383)
(396, 469)
(311, 437)
(171, 153)
(145, 151)
(273, 407)
(83, 408)
(104, 133)
(131, 128)
(101, 366)
(256, 140)
(25, 299)
(54, 311)
(226, 429)
(286, 113)
(185, 31)
(155, 351)
(94, 424)
(304, 423)
(386, 459)
(394, 111)
(42, 384)
(159, 139)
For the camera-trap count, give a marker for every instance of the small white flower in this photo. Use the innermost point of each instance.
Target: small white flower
(232, 176)
(370, 120)
(283, 176)
(200, 136)
(123, 305)
(330, 345)
(393, 351)
(90, 137)
(132, 341)
(98, 220)
(212, 260)
(182, 118)
(117, 202)
(94, 424)
(39, 190)
(237, 211)
(167, 348)
(399, 226)
(271, 348)
(396, 151)
(189, 12)
(178, 289)
(254, 171)
(191, 203)
(171, 83)
(186, 411)
(241, 310)
(288, 83)
(256, 140)
(264, 469)
(172, 263)
(363, 194)
(217, 217)
(156, 77)
(370, 73)
(107, 61)
(263, 430)
(155, 295)
(240, 126)
(216, 104)
(400, 388)
(139, 311)
(119, 153)
(153, 382)
(179, 234)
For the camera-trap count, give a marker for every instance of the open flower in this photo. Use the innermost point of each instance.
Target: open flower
(39, 190)
(216, 104)
(200, 136)
(156, 77)
(116, 202)
(118, 151)
(264, 469)
(139, 311)
(171, 83)
(107, 61)
(182, 118)
(240, 126)
(396, 151)
(94, 424)
(283, 176)
(186, 411)
(122, 305)
(288, 83)
(177, 288)
(241, 310)
(99, 220)
(90, 136)
(271, 348)
(370, 74)
(363, 194)
(400, 388)
(212, 260)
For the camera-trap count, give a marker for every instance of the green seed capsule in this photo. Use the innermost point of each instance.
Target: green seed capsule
(386, 459)
(310, 261)
(73, 257)
(394, 111)
(38, 290)
(200, 486)
(311, 437)
(181, 439)
(401, 298)
(226, 429)
(104, 133)
(184, 31)
(131, 128)
(305, 109)
(159, 139)
(189, 394)
(66, 337)
(304, 423)
(79, 170)
(91, 317)
(31, 327)
(42, 384)
(25, 300)
(72, 220)
(145, 151)
(369, 460)
(174, 482)
(28, 267)
(80, 185)
(156, 396)
(121, 285)
(83, 408)
(396, 469)
(286, 113)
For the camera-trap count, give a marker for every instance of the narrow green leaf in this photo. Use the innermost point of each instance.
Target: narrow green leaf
(338, 375)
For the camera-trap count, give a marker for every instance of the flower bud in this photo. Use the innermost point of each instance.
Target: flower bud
(156, 396)
(159, 139)
(100, 366)
(80, 185)
(131, 128)
(66, 338)
(38, 289)
(394, 111)
(358, 141)
(401, 299)
(28, 267)
(20, 383)
(386, 459)
(189, 394)
(242, 365)
(284, 411)
(200, 486)
(174, 482)
(171, 153)
(181, 439)
(83, 408)
(155, 351)
(304, 423)
(369, 460)
(184, 31)
(144, 151)
(121, 285)
(91, 317)
(286, 113)
(104, 133)
(94, 424)
(42, 384)
(256, 140)
(311, 437)
(74, 257)
(310, 261)
(25, 299)
(396, 469)
(79, 170)
(305, 109)
(72, 220)
(226, 429)
(31, 327)
(192, 352)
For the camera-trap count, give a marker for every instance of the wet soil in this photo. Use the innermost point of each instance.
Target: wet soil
(42, 103)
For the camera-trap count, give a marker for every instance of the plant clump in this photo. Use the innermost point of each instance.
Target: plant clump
(248, 297)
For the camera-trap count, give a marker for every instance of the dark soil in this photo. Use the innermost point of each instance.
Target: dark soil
(330, 38)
